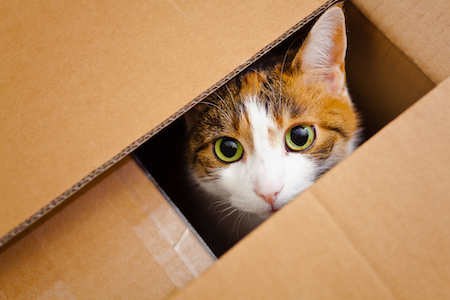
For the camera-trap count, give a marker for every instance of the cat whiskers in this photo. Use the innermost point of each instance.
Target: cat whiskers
(233, 210)
(238, 222)
(282, 70)
(251, 221)
(218, 203)
(278, 103)
(273, 96)
(224, 103)
(216, 106)
(232, 98)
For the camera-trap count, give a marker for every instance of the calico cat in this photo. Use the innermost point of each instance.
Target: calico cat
(268, 134)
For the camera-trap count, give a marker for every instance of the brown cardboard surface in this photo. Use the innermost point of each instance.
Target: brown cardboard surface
(382, 81)
(82, 81)
(419, 28)
(374, 227)
(118, 237)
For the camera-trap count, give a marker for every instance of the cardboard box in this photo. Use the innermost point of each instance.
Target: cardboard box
(117, 237)
(376, 226)
(86, 84)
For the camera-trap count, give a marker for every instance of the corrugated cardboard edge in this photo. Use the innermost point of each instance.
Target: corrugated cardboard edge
(175, 208)
(80, 184)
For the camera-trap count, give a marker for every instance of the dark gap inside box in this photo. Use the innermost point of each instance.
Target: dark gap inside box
(382, 83)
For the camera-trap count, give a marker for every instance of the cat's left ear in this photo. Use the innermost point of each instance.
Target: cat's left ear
(322, 56)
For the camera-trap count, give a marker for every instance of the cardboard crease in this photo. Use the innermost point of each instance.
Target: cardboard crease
(80, 184)
(352, 244)
(374, 227)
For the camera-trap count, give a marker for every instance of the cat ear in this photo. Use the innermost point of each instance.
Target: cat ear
(322, 56)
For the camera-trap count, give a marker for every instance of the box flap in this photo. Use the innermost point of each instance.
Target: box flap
(82, 81)
(418, 28)
(374, 227)
(117, 239)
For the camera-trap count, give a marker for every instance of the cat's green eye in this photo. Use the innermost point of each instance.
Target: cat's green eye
(228, 150)
(300, 137)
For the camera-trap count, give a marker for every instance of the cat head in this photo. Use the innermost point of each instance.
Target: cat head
(271, 132)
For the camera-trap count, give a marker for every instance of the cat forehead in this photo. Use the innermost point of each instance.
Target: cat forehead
(264, 129)
(282, 102)
(238, 110)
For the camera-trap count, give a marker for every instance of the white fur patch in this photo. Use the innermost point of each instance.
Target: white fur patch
(269, 176)
(268, 169)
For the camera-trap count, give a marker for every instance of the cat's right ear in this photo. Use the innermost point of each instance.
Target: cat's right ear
(322, 56)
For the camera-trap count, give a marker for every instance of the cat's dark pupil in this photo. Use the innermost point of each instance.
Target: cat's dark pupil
(299, 135)
(228, 148)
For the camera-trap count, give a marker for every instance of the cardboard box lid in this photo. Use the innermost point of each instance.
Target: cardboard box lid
(82, 81)
(118, 238)
(418, 28)
(375, 227)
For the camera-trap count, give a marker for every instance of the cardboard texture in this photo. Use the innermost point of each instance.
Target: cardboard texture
(81, 82)
(375, 227)
(382, 81)
(418, 28)
(118, 237)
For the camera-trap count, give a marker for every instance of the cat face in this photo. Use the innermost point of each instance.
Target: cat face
(271, 132)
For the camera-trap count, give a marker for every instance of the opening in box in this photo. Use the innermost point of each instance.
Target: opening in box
(382, 83)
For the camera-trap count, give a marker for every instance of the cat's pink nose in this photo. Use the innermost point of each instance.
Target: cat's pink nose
(268, 193)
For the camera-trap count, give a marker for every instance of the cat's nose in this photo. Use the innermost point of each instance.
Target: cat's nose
(268, 193)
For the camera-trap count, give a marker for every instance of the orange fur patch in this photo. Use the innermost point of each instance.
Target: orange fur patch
(292, 95)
